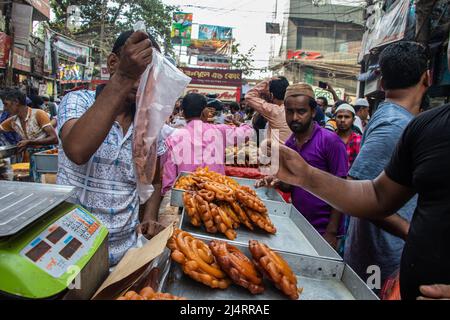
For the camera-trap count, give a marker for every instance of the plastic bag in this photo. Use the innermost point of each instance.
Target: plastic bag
(159, 88)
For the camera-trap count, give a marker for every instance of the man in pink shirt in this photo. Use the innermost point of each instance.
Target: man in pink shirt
(199, 144)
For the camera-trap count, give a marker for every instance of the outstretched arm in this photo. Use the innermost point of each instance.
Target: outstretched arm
(374, 199)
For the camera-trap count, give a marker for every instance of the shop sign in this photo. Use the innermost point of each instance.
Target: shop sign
(213, 61)
(303, 55)
(5, 48)
(219, 77)
(104, 72)
(75, 51)
(209, 32)
(48, 53)
(224, 93)
(210, 47)
(22, 15)
(181, 28)
(21, 60)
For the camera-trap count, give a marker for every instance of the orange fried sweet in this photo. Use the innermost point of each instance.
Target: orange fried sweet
(250, 200)
(222, 191)
(237, 266)
(204, 211)
(148, 293)
(227, 209)
(275, 268)
(223, 221)
(190, 206)
(197, 260)
(242, 215)
(262, 221)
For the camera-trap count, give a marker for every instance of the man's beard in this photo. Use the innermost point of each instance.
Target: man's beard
(344, 129)
(298, 127)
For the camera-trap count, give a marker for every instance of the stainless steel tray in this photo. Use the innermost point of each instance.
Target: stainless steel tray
(7, 151)
(46, 163)
(176, 198)
(320, 278)
(294, 233)
(22, 203)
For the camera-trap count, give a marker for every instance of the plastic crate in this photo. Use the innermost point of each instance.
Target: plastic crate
(45, 162)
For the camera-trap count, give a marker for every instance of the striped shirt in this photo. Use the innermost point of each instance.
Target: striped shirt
(106, 184)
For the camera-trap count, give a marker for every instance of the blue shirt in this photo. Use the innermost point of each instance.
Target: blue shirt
(366, 244)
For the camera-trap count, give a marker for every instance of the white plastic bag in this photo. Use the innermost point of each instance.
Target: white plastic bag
(160, 86)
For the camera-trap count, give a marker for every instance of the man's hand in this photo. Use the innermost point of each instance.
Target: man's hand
(269, 181)
(291, 166)
(149, 228)
(22, 145)
(135, 56)
(435, 292)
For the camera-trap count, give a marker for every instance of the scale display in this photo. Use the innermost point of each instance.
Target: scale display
(63, 243)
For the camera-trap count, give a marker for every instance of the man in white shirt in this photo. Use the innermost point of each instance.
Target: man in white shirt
(362, 114)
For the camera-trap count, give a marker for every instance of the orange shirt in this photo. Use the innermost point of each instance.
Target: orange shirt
(35, 123)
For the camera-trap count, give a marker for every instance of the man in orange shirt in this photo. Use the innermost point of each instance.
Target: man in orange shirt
(33, 125)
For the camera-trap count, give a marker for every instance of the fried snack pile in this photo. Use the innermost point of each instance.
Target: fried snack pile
(237, 266)
(148, 293)
(220, 204)
(197, 260)
(275, 269)
(214, 264)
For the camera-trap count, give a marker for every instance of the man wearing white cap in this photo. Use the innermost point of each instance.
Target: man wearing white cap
(345, 119)
(362, 114)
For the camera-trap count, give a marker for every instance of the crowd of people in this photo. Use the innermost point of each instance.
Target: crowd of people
(355, 178)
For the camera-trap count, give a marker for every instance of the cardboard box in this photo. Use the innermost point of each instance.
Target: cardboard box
(135, 267)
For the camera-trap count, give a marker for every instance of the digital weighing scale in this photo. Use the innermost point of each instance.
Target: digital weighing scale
(49, 248)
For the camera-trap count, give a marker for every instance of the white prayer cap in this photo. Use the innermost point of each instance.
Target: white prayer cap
(347, 107)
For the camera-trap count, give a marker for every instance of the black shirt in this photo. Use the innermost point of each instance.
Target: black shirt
(422, 162)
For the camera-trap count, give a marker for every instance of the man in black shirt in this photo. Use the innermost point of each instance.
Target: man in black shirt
(420, 165)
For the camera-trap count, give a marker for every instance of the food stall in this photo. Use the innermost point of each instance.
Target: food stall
(277, 255)
(252, 246)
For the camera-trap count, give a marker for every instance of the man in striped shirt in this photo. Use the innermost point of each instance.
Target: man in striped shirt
(96, 135)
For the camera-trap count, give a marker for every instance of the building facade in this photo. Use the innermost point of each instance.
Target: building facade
(320, 41)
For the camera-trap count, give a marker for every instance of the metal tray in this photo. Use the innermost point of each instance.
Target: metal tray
(46, 163)
(176, 199)
(294, 233)
(7, 151)
(320, 278)
(22, 203)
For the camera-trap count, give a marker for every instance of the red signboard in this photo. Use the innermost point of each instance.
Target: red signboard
(5, 47)
(214, 77)
(22, 60)
(303, 55)
(224, 93)
(42, 6)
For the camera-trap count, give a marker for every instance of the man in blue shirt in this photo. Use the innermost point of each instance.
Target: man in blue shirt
(380, 243)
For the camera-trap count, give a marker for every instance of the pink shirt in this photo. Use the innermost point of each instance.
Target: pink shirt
(199, 144)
